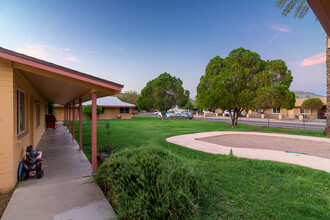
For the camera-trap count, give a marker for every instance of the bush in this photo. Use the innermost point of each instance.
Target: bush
(149, 183)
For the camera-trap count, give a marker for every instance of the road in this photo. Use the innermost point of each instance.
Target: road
(271, 123)
(264, 122)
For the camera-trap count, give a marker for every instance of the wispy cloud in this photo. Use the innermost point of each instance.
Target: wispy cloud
(281, 29)
(48, 52)
(314, 60)
(93, 52)
(273, 38)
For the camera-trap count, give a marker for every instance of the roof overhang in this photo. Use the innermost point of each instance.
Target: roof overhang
(321, 9)
(56, 83)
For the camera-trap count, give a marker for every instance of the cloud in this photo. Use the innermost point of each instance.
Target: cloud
(281, 29)
(273, 38)
(314, 60)
(48, 52)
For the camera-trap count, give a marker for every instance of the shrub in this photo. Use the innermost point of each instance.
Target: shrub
(149, 183)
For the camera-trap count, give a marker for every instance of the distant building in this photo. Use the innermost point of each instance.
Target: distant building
(113, 108)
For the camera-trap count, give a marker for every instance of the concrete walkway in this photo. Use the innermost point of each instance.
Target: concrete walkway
(190, 141)
(66, 191)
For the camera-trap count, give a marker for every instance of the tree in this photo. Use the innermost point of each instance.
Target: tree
(188, 105)
(129, 97)
(87, 110)
(302, 9)
(244, 81)
(162, 93)
(312, 104)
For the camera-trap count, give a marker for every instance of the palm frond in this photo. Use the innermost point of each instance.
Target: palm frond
(281, 3)
(301, 7)
(304, 11)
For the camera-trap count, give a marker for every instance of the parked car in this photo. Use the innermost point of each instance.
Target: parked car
(135, 112)
(207, 111)
(156, 113)
(226, 113)
(183, 115)
(168, 114)
(242, 114)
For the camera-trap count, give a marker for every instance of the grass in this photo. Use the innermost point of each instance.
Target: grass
(234, 188)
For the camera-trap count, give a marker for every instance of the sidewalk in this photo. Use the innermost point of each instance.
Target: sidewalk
(66, 191)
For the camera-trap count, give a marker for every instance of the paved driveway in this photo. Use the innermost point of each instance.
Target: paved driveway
(66, 191)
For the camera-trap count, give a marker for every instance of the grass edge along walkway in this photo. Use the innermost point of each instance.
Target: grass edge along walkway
(234, 188)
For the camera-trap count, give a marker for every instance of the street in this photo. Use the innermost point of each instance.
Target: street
(270, 123)
(262, 122)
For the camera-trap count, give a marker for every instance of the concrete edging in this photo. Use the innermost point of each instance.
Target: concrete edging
(190, 141)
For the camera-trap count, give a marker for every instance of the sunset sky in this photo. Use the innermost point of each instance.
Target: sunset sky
(133, 41)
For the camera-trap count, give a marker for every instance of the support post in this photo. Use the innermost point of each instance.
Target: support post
(73, 120)
(80, 124)
(64, 115)
(67, 116)
(69, 109)
(94, 140)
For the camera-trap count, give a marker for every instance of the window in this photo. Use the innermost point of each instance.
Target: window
(124, 110)
(276, 110)
(37, 113)
(304, 111)
(20, 111)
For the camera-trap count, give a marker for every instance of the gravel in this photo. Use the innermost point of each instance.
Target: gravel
(313, 148)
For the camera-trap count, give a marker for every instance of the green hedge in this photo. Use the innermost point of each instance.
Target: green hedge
(149, 183)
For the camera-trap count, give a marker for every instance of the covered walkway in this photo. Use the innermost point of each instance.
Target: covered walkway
(66, 191)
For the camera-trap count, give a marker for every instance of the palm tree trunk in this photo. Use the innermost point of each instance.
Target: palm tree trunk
(327, 128)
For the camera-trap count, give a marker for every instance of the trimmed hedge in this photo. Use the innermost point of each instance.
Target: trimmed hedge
(149, 183)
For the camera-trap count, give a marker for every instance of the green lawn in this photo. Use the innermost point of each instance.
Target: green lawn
(234, 188)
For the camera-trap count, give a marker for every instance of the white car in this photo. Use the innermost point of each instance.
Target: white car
(226, 113)
(207, 111)
(168, 114)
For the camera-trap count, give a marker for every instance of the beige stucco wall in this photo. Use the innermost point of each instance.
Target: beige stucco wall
(12, 146)
(289, 113)
(109, 113)
(7, 129)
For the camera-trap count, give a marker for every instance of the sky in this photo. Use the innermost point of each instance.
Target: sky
(133, 41)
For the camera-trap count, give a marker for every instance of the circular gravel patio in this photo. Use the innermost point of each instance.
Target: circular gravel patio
(264, 146)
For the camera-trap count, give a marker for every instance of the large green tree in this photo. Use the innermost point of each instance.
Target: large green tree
(312, 104)
(129, 97)
(301, 8)
(163, 93)
(243, 80)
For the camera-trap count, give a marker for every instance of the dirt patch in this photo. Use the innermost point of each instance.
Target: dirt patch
(4, 200)
(313, 148)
